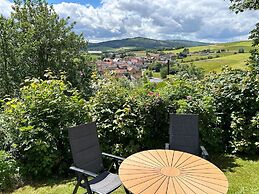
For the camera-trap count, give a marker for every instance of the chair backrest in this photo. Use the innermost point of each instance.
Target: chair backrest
(184, 133)
(85, 147)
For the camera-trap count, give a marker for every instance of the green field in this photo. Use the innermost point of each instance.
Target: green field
(228, 57)
(140, 53)
(95, 57)
(231, 47)
(235, 61)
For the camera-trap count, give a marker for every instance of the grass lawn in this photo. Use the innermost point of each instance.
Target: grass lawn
(242, 174)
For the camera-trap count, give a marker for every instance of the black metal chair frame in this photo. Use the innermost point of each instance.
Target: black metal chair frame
(83, 174)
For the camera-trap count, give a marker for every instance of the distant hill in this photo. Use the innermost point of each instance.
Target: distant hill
(140, 43)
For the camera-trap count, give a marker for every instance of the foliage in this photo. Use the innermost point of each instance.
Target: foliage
(236, 95)
(241, 50)
(254, 58)
(184, 95)
(227, 104)
(163, 72)
(242, 5)
(136, 116)
(38, 120)
(9, 171)
(184, 70)
(131, 119)
(188, 71)
(152, 117)
(156, 66)
(148, 73)
(34, 39)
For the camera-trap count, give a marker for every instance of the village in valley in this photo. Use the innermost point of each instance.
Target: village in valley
(136, 64)
(132, 67)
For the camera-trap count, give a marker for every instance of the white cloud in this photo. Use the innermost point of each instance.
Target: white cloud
(5, 8)
(165, 19)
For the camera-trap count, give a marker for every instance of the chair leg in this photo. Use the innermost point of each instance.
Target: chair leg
(126, 190)
(88, 188)
(79, 179)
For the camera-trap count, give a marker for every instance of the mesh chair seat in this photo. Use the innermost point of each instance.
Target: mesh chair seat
(106, 182)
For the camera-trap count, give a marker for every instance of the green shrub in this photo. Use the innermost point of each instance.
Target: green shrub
(241, 50)
(227, 104)
(9, 172)
(151, 117)
(110, 97)
(135, 117)
(184, 95)
(236, 95)
(163, 72)
(129, 117)
(38, 120)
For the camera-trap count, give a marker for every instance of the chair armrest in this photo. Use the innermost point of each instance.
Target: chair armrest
(86, 172)
(204, 153)
(113, 156)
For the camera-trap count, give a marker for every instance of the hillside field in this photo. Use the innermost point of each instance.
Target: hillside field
(230, 56)
(236, 61)
(231, 46)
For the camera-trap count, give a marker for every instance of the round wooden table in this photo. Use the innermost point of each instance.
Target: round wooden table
(171, 172)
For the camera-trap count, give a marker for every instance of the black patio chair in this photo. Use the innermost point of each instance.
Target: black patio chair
(184, 135)
(87, 157)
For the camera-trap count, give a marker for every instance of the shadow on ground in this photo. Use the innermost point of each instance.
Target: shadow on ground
(228, 163)
(225, 162)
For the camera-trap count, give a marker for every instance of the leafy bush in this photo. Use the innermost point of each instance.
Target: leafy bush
(236, 95)
(152, 117)
(129, 117)
(227, 104)
(163, 72)
(241, 50)
(135, 117)
(38, 120)
(184, 95)
(155, 66)
(9, 173)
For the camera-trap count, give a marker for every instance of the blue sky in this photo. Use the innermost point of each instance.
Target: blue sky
(198, 20)
(94, 3)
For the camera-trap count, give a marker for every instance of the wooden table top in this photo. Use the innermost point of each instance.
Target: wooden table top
(171, 172)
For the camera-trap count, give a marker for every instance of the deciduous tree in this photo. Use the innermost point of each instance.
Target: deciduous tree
(34, 38)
